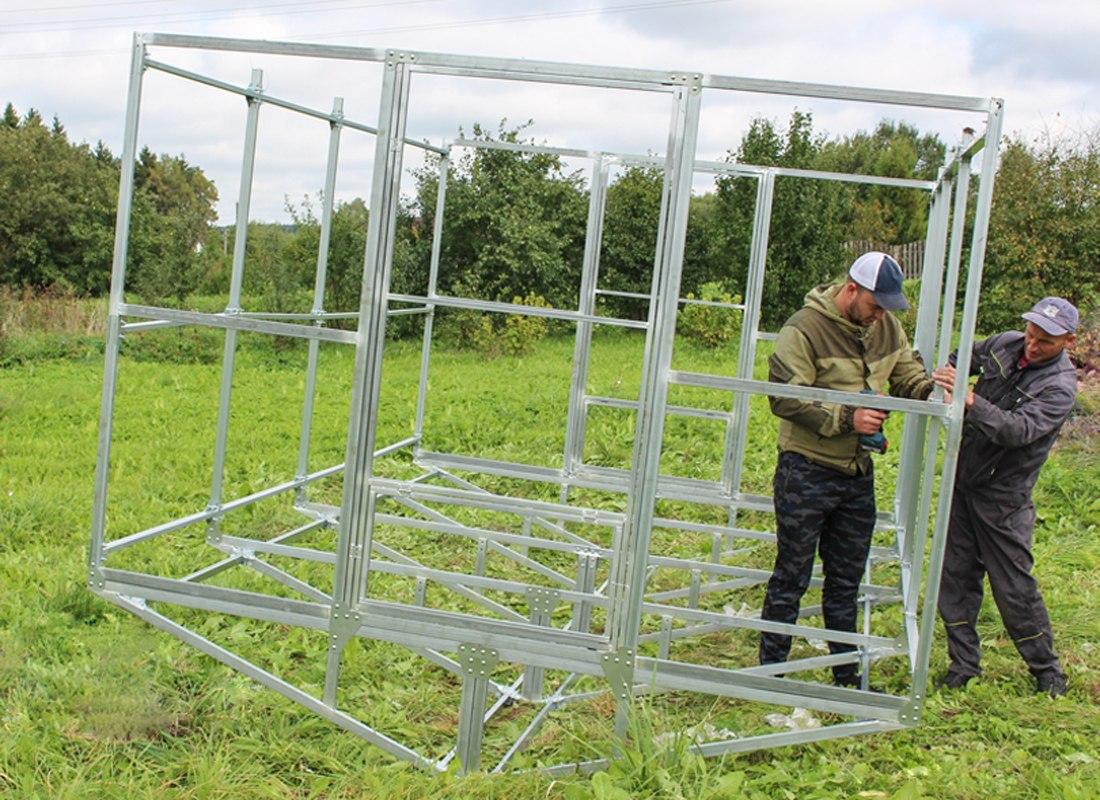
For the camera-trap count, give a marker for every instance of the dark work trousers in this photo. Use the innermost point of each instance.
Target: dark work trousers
(817, 509)
(988, 536)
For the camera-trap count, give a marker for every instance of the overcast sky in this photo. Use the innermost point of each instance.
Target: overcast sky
(70, 58)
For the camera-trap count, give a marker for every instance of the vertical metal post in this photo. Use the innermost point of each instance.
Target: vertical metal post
(954, 257)
(357, 505)
(353, 548)
(915, 430)
(587, 563)
(477, 666)
(433, 278)
(327, 203)
(917, 526)
(733, 455)
(630, 559)
(541, 602)
(236, 276)
(118, 279)
(955, 421)
(913, 554)
(575, 421)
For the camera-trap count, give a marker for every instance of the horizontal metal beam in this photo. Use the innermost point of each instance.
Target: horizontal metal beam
(769, 740)
(677, 675)
(224, 508)
(239, 323)
(522, 147)
(680, 411)
(516, 308)
(930, 408)
(217, 598)
(860, 94)
(257, 94)
(581, 74)
(480, 498)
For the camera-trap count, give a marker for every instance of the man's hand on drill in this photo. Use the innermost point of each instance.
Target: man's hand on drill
(868, 421)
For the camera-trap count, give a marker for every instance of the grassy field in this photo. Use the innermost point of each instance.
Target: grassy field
(96, 704)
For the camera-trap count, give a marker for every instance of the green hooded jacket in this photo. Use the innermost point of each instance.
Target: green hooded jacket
(818, 347)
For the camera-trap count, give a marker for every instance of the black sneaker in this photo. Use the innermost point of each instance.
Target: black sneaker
(955, 681)
(847, 680)
(1052, 683)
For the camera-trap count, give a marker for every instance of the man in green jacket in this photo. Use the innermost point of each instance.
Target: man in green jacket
(843, 338)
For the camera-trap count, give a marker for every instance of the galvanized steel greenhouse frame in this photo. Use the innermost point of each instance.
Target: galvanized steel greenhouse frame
(471, 645)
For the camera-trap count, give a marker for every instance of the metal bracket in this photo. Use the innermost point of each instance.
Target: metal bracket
(95, 577)
(344, 623)
(909, 715)
(542, 600)
(618, 668)
(213, 531)
(692, 80)
(394, 57)
(477, 661)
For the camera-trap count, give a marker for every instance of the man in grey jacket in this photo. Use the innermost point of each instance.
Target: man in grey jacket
(1026, 389)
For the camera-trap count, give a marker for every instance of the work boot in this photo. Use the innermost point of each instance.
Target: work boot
(954, 681)
(1052, 683)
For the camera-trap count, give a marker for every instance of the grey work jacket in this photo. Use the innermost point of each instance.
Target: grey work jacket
(1015, 419)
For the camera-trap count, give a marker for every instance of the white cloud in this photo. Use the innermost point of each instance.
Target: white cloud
(1038, 61)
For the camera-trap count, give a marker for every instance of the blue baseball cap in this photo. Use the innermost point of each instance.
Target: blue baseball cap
(881, 276)
(1055, 315)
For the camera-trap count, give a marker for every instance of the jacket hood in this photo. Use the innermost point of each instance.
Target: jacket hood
(823, 300)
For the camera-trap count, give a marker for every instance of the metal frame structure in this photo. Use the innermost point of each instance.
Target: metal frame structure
(619, 630)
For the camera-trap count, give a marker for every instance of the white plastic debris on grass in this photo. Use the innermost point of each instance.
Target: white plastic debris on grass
(800, 719)
(703, 732)
(818, 644)
(744, 611)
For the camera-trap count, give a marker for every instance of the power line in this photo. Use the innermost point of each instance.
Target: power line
(521, 18)
(130, 20)
(598, 11)
(79, 6)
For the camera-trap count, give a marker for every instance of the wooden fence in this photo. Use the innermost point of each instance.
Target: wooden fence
(910, 255)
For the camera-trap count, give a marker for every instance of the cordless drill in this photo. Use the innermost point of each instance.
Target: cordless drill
(872, 442)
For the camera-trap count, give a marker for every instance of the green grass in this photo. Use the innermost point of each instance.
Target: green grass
(94, 703)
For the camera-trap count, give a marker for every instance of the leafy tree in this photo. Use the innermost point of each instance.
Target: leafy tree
(631, 216)
(514, 223)
(57, 213)
(347, 246)
(806, 242)
(1044, 228)
(894, 149)
(57, 220)
(169, 226)
(628, 248)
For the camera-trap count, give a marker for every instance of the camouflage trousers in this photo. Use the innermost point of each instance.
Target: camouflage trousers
(817, 510)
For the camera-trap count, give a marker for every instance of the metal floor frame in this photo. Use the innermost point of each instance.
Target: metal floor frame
(472, 644)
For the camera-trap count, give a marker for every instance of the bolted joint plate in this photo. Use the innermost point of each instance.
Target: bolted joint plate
(343, 624)
(692, 80)
(618, 668)
(394, 57)
(910, 714)
(542, 599)
(477, 661)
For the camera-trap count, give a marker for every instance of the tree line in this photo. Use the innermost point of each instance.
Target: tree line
(515, 223)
